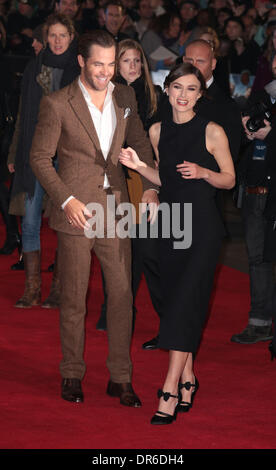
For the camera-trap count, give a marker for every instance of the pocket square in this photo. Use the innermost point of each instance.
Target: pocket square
(127, 113)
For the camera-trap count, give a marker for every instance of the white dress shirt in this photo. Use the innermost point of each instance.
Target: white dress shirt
(104, 123)
(209, 82)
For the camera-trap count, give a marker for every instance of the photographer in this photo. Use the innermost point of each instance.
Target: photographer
(256, 171)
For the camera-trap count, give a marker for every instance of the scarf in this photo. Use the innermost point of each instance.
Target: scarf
(142, 97)
(33, 87)
(143, 100)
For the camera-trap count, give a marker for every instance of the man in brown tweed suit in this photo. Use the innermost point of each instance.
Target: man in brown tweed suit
(87, 123)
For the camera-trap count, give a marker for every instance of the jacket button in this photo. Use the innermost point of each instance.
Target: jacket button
(100, 186)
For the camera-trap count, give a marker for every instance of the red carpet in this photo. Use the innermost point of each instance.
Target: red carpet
(235, 407)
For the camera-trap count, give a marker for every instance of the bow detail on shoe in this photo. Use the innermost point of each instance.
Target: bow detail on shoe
(186, 385)
(165, 395)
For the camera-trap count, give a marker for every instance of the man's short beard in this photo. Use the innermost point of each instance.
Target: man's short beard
(91, 82)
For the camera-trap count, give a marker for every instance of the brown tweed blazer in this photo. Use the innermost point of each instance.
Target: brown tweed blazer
(65, 125)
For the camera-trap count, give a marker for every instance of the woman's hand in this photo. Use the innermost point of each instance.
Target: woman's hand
(129, 158)
(190, 170)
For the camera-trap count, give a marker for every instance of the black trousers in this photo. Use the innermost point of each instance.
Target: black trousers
(144, 261)
(9, 220)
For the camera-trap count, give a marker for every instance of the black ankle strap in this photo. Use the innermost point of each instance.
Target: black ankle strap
(163, 414)
(165, 395)
(186, 385)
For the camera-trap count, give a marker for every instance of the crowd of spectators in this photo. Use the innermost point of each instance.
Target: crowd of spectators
(242, 34)
(241, 31)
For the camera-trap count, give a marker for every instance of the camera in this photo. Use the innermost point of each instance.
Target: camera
(257, 115)
(261, 110)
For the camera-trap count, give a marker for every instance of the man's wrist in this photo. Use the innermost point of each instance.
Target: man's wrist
(66, 202)
(153, 189)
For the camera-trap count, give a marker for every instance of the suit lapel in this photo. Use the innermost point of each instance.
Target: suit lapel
(80, 108)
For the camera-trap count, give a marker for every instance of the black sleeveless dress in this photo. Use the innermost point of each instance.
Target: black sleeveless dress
(186, 273)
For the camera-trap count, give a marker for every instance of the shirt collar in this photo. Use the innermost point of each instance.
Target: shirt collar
(110, 88)
(209, 82)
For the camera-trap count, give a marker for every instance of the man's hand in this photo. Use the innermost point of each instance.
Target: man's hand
(249, 134)
(75, 212)
(261, 134)
(150, 199)
(263, 131)
(239, 46)
(11, 167)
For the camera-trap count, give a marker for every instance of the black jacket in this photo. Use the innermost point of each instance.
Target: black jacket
(270, 140)
(143, 100)
(218, 107)
(247, 60)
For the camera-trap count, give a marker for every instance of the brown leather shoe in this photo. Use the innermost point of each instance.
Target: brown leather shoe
(125, 392)
(71, 390)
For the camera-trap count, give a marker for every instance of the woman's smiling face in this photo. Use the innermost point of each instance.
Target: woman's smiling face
(184, 92)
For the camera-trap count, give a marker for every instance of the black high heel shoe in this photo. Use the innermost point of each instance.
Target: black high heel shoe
(19, 266)
(272, 351)
(185, 406)
(12, 242)
(165, 418)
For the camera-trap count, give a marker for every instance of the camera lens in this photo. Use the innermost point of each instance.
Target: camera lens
(253, 125)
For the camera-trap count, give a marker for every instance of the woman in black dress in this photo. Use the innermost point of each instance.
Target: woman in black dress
(194, 160)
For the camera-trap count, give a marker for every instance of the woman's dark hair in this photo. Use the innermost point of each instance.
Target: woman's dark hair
(161, 23)
(183, 69)
(96, 37)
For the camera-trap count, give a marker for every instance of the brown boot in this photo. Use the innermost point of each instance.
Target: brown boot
(53, 299)
(32, 294)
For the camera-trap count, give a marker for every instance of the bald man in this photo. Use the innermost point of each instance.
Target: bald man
(217, 106)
